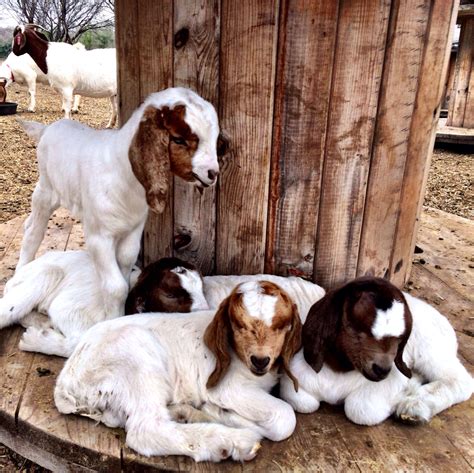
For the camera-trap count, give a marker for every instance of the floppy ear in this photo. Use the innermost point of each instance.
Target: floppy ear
(222, 144)
(19, 40)
(292, 345)
(148, 155)
(320, 330)
(216, 338)
(399, 363)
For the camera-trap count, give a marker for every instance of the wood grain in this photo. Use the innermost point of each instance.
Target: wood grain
(299, 133)
(155, 34)
(128, 58)
(247, 73)
(196, 66)
(403, 59)
(459, 103)
(422, 135)
(356, 80)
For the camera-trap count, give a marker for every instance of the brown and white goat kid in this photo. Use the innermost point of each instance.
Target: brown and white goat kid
(57, 297)
(361, 345)
(139, 372)
(109, 178)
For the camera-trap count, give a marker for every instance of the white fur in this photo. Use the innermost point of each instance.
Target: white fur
(192, 282)
(88, 172)
(24, 71)
(303, 293)
(390, 322)
(257, 304)
(137, 372)
(431, 353)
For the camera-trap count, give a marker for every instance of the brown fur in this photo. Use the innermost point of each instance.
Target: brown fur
(338, 329)
(159, 290)
(233, 328)
(153, 153)
(32, 42)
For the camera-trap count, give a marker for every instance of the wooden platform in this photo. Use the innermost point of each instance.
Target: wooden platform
(455, 135)
(325, 441)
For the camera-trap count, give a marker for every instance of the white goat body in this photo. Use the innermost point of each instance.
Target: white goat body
(439, 379)
(24, 71)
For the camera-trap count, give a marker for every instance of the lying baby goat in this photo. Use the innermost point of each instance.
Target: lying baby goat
(66, 289)
(130, 372)
(109, 178)
(352, 338)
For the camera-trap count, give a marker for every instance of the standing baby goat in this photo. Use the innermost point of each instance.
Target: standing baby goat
(109, 178)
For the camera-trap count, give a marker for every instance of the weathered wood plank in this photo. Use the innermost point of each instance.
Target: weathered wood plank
(456, 135)
(155, 35)
(196, 66)
(357, 75)
(422, 135)
(8, 232)
(248, 58)
(403, 59)
(469, 44)
(463, 69)
(128, 58)
(299, 133)
(71, 437)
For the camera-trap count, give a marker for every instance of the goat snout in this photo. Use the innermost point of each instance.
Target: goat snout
(212, 174)
(259, 364)
(381, 371)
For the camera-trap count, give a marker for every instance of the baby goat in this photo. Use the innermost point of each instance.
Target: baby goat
(148, 292)
(65, 288)
(134, 371)
(352, 338)
(109, 178)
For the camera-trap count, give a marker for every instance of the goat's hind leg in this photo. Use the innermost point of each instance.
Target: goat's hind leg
(42, 206)
(113, 116)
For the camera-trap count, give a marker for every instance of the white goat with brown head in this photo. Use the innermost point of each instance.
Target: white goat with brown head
(109, 178)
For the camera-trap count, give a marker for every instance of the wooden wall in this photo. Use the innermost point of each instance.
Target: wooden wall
(331, 109)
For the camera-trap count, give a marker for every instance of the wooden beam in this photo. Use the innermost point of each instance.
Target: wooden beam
(196, 65)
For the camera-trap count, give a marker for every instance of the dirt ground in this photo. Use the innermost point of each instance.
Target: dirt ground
(449, 185)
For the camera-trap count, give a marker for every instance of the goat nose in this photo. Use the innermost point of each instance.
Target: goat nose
(212, 174)
(260, 363)
(380, 371)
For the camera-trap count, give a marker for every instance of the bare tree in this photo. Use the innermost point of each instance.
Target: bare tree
(64, 20)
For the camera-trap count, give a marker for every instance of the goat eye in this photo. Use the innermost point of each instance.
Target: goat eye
(170, 296)
(178, 141)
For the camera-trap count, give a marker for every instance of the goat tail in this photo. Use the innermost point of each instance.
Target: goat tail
(26, 290)
(33, 129)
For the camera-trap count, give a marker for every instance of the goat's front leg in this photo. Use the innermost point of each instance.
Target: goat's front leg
(67, 95)
(32, 93)
(114, 286)
(128, 249)
(75, 105)
(42, 206)
(271, 417)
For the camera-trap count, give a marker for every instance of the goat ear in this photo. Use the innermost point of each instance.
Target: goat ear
(320, 330)
(222, 144)
(216, 338)
(292, 344)
(399, 363)
(148, 155)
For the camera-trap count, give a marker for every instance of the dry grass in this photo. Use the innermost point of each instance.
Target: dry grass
(18, 157)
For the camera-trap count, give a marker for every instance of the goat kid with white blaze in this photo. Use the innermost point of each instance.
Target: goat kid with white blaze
(380, 352)
(144, 371)
(70, 69)
(109, 178)
(57, 297)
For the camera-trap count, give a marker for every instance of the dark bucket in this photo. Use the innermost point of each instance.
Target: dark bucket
(8, 108)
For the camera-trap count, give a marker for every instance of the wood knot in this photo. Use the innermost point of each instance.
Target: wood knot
(181, 37)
